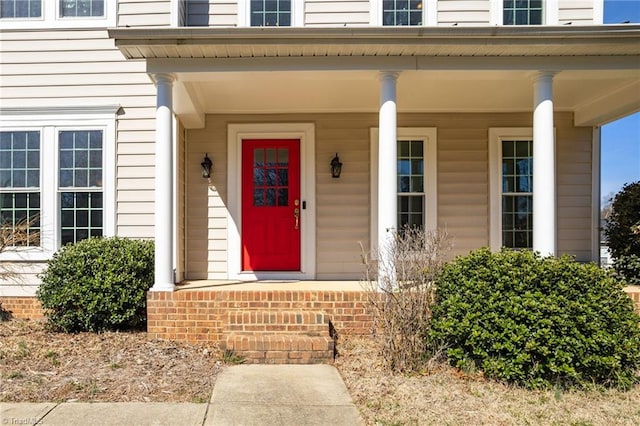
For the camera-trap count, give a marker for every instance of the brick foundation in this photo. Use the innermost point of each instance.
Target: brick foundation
(201, 315)
(22, 307)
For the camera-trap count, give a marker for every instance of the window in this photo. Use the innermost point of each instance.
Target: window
(410, 183)
(20, 183)
(57, 167)
(517, 194)
(511, 187)
(402, 12)
(270, 13)
(522, 12)
(81, 8)
(80, 184)
(20, 8)
(416, 179)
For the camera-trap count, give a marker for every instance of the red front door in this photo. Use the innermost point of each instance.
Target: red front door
(271, 205)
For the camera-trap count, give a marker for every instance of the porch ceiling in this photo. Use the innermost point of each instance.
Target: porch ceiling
(453, 69)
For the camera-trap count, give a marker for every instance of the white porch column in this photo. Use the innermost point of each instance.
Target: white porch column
(544, 167)
(164, 279)
(387, 171)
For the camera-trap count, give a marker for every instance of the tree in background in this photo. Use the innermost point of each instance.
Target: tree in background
(622, 232)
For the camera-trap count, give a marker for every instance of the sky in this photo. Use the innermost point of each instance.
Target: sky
(620, 140)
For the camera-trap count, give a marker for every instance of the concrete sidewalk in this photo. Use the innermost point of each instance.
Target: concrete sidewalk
(243, 395)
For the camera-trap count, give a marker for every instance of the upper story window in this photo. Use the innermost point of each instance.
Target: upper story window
(41, 14)
(522, 12)
(270, 13)
(402, 12)
(20, 8)
(81, 8)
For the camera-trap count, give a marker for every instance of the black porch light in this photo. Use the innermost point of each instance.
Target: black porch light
(336, 167)
(206, 166)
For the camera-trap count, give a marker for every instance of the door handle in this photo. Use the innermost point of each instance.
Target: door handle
(296, 214)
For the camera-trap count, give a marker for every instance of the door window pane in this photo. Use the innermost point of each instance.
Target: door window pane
(410, 184)
(270, 177)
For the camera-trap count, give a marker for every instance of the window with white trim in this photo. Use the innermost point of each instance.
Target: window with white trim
(416, 178)
(270, 13)
(410, 184)
(81, 8)
(59, 169)
(80, 184)
(522, 12)
(402, 12)
(20, 8)
(511, 186)
(20, 184)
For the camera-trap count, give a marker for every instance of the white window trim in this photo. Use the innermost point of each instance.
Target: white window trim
(235, 134)
(430, 137)
(48, 121)
(429, 13)
(496, 136)
(550, 12)
(244, 14)
(51, 18)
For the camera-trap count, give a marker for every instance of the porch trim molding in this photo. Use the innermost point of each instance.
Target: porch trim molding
(235, 134)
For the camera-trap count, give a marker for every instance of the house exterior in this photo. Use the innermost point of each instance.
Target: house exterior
(480, 117)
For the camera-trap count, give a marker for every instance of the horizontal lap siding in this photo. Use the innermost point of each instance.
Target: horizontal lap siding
(331, 13)
(144, 13)
(343, 205)
(83, 68)
(576, 12)
(467, 12)
(211, 13)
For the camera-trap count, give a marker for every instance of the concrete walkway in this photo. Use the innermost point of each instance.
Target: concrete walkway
(243, 395)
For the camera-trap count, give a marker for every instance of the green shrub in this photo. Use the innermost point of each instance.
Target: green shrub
(98, 284)
(536, 322)
(621, 235)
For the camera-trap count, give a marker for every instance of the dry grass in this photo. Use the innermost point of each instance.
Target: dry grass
(444, 396)
(37, 365)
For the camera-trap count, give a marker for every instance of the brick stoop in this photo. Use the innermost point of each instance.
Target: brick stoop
(279, 337)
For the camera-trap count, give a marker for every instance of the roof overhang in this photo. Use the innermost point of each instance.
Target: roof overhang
(460, 68)
(190, 43)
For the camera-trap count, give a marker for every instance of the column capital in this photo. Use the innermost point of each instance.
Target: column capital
(163, 78)
(543, 75)
(389, 75)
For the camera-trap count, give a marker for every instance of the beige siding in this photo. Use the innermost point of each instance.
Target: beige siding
(576, 12)
(343, 206)
(211, 13)
(467, 12)
(83, 68)
(144, 13)
(181, 217)
(330, 13)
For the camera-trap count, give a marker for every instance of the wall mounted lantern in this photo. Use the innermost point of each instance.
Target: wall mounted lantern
(206, 166)
(336, 167)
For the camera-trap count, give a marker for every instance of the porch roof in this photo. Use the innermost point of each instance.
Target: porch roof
(444, 69)
(193, 42)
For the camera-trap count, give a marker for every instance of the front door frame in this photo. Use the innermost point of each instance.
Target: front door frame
(236, 133)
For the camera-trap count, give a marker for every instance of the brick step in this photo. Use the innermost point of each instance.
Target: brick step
(311, 323)
(281, 348)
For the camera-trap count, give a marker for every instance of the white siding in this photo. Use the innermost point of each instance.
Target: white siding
(144, 13)
(577, 12)
(83, 68)
(332, 13)
(467, 12)
(211, 13)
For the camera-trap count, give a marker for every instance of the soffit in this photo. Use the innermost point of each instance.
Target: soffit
(202, 43)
